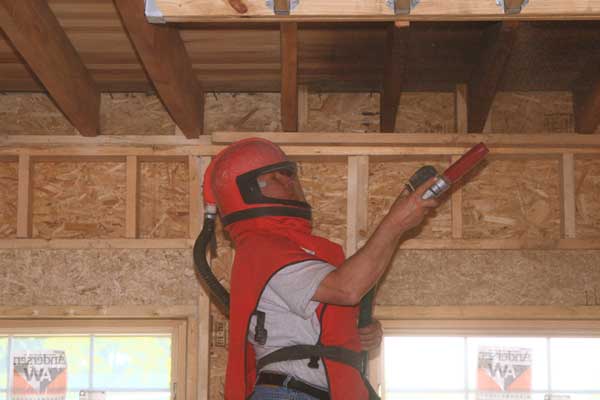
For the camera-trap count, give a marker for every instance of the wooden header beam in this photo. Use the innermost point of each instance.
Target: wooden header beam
(360, 10)
(168, 65)
(36, 34)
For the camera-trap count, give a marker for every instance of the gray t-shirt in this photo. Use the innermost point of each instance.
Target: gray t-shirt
(290, 318)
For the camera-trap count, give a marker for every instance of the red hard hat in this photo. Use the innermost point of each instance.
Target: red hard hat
(230, 181)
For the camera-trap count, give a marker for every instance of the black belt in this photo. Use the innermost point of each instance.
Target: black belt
(267, 378)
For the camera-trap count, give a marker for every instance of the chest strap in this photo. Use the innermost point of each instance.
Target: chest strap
(306, 351)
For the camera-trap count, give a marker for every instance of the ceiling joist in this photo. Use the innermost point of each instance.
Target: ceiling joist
(586, 102)
(394, 72)
(499, 40)
(289, 76)
(360, 10)
(36, 34)
(167, 63)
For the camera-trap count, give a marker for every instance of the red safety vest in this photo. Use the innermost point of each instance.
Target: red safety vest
(264, 246)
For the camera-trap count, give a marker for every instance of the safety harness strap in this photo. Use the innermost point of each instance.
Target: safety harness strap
(306, 351)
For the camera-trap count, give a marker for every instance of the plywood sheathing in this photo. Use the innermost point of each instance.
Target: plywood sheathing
(433, 278)
(343, 112)
(426, 112)
(242, 112)
(120, 114)
(134, 114)
(163, 204)
(97, 277)
(386, 182)
(79, 199)
(8, 199)
(587, 192)
(32, 113)
(513, 199)
(532, 112)
(325, 185)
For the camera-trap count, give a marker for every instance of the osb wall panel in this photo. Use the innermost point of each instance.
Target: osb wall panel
(508, 199)
(386, 182)
(532, 112)
(32, 113)
(163, 201)
(426, 113)
(120, 114)
(433, 278)
(79, 199)
(325, 186)
(8, 199)
(134, 114)
(97, 277)
(242, 112)
(343, 112)
(587, 189)
(359, 112)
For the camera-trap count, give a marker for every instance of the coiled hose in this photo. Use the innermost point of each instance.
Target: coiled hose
(219, 293)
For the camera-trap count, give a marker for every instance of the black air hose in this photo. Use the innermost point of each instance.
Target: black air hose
(219, 293)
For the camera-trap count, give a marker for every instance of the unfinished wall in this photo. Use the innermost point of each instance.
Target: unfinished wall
(500, 202)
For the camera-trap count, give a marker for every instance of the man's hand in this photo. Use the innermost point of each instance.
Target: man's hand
(408, 212)
(370, 336)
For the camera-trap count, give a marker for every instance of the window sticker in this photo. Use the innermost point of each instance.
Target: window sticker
(504, 373)
(39, 375)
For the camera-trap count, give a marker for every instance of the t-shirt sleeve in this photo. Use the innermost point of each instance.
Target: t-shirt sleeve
(296, 285)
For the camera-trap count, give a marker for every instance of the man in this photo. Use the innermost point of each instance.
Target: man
(293, 330)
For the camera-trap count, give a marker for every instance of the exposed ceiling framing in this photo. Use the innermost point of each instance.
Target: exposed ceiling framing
(499, 41)
(166, 61)
(179, 62)
(51, 56)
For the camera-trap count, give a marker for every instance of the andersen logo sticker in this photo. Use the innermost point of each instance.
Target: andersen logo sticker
(39, 375)
(503, 373)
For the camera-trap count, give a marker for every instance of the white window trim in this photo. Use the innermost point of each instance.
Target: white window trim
(480, 320)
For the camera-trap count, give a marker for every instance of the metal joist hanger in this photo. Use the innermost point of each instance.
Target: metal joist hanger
(282, 7)
(402, 7)
(512, 7)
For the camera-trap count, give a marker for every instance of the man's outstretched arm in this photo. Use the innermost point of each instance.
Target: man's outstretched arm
(353, 279)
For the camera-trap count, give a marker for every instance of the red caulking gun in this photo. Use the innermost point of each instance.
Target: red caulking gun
(450, 176)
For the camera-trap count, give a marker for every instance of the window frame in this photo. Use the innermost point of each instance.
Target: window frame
(504, 321)
(183, 348)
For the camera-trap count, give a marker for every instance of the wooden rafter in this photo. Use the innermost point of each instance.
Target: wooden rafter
(167, 63)
(289, 76)
(586, 103)
(394, 72)
(36, 34)
(499, 41)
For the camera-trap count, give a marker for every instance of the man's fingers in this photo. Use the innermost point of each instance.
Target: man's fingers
(423, 188)
(238, 5)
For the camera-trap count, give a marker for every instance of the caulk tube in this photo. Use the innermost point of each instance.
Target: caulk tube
(456, 171)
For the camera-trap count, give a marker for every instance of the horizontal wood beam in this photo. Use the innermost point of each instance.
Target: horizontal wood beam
(321, 138)
(488, 313)
(360, 10)
(412, 244)
(417, 139)
(499, 41)
(97, 312)
(395, 59)
(168, 65)
(36, 34)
